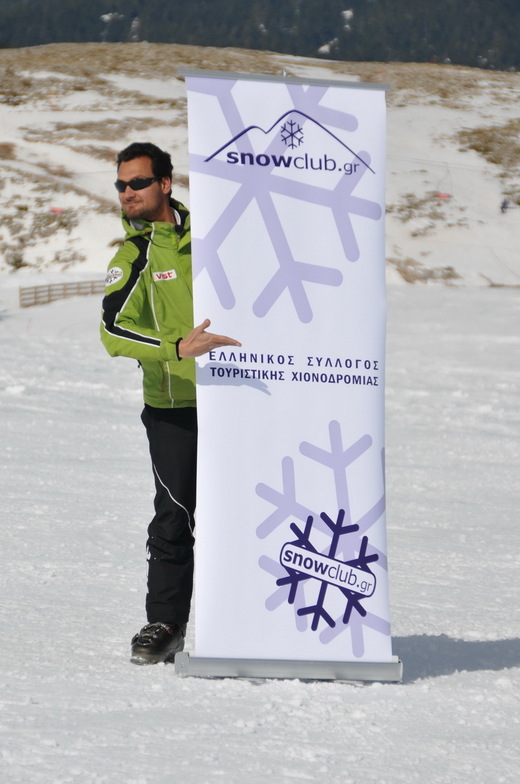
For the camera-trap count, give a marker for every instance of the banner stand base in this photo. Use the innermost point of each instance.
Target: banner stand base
(288, 669)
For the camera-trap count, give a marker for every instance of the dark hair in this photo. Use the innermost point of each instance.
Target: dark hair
(161, 161)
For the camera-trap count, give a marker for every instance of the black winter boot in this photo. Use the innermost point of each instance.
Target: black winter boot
(157, 642)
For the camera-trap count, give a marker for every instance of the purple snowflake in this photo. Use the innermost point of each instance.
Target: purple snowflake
(348, 545)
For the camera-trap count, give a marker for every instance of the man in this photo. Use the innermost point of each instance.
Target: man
(148, 315)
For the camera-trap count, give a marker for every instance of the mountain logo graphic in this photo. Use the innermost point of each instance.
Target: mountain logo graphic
(260, 146)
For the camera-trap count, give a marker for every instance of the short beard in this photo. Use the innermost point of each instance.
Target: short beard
(138, 213)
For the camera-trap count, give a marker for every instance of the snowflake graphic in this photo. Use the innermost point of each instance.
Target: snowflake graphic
(347, 543)
(261, 185)
(292, 134)
(295, 576)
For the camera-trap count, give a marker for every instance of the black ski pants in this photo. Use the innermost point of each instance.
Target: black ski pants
(172, 436)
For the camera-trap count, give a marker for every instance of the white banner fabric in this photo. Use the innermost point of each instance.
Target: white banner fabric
(287, 182)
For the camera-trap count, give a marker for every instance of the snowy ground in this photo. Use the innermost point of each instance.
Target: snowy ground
(77, 494)
(76, 487)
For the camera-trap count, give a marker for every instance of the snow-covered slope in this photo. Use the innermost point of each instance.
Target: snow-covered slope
(76, 489)
(67, 109)
(76, 495)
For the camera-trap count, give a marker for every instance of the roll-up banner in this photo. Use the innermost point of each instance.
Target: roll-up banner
(287, 184)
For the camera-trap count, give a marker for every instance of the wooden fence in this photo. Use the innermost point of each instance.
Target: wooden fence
(41, 295)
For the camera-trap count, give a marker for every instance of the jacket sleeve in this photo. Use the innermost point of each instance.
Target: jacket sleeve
(126, 309)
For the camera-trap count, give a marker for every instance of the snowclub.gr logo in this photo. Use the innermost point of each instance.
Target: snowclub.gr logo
(291, 134)
(302, 562)
(328, 570)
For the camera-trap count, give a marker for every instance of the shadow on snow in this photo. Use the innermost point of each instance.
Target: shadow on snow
(425, 656)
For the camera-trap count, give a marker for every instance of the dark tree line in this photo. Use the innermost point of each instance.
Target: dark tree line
(468, 32)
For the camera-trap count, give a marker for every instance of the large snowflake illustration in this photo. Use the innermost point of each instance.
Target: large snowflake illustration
(261, 185)
(347, 543)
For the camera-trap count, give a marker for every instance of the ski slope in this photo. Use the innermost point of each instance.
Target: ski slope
(76, 486)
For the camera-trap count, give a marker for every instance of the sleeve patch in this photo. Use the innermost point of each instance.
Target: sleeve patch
(114, 274)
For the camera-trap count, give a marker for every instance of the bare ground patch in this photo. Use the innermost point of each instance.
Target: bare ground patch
(89, 60)
(7, 151)
(447, 85)
(107, 129)
(498, 144)
(427, 211)
(86, 64)
(30, 220)
(413, 271)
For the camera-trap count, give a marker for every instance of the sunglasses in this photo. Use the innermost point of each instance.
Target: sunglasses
(137, 184)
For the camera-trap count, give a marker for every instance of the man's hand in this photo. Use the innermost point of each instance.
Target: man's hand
(198, 342)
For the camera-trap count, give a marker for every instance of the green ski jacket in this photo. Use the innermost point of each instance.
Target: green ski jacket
(148, 307)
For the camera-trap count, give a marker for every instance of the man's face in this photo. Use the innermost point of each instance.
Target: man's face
(151, 203)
